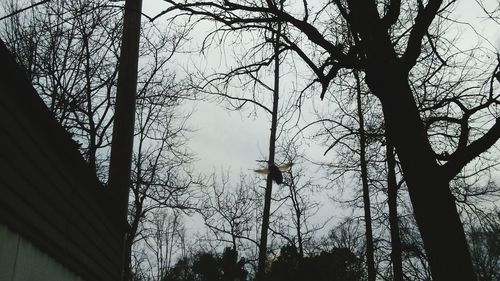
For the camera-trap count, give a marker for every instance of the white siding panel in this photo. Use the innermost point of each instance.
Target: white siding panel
(8, 253)
(21, 261)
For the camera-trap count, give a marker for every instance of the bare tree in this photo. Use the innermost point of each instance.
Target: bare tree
(347, 234)
(230, 212)
(388, 41)
(352, 133)
(69, 51)
(161, 177)
(159, 244)
(294, 206)
(485, 245)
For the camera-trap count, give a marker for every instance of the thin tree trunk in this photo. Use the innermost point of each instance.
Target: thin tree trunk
(392, 193)
(269, 181)
(298, 217)
(370, 263)
(92, 149)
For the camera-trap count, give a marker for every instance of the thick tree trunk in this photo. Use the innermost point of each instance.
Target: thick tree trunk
(434, 206)
(387, 77)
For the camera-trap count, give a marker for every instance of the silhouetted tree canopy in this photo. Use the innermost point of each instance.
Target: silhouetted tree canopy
(339, 264)
(207, 266)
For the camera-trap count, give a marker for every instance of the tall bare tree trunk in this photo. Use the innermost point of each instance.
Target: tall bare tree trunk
(370, 262)
(392, 193)
(272, 149)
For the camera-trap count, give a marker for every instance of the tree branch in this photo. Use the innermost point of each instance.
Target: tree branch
(462, 157)
(423, 20)
(392, 15)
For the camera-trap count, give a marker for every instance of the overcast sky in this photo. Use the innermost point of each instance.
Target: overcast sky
(226, 139)
(235, 140)
(232, 140)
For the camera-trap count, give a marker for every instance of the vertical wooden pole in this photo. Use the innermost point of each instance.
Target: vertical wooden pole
(124, 118)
